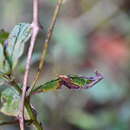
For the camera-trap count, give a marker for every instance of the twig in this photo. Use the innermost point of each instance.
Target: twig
(35, 30)
(45, 45)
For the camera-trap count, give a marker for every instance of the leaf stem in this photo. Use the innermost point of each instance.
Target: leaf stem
(32, 115)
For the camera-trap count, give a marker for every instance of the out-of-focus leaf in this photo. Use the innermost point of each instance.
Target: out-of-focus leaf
(1, 57)
(10, 102)
(35, 58)
(4, 66)
(16, 41)
(68, 42)
(82, 120)
(107, 91)
(3, 36)
(88, 121)
(55, 1)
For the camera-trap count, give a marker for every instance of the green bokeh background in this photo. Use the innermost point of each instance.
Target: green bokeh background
(89, 35)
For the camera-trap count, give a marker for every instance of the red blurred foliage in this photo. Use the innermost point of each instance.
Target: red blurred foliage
(110, 48)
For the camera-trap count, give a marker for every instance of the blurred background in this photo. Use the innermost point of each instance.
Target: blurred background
(89, 35)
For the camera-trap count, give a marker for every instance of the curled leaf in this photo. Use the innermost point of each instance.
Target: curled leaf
(69, 81)
(80, 82)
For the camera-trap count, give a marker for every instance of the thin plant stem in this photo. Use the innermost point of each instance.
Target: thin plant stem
(45, 45)
(33, 117)
(35, 30)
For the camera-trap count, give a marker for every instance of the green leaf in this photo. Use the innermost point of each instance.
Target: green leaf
(10, 102)
(82, 120)
(3, 36)
(4, 66)
(2, 58)
(49, 86)
(73, 44)
(79, 81)
(16, 41)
